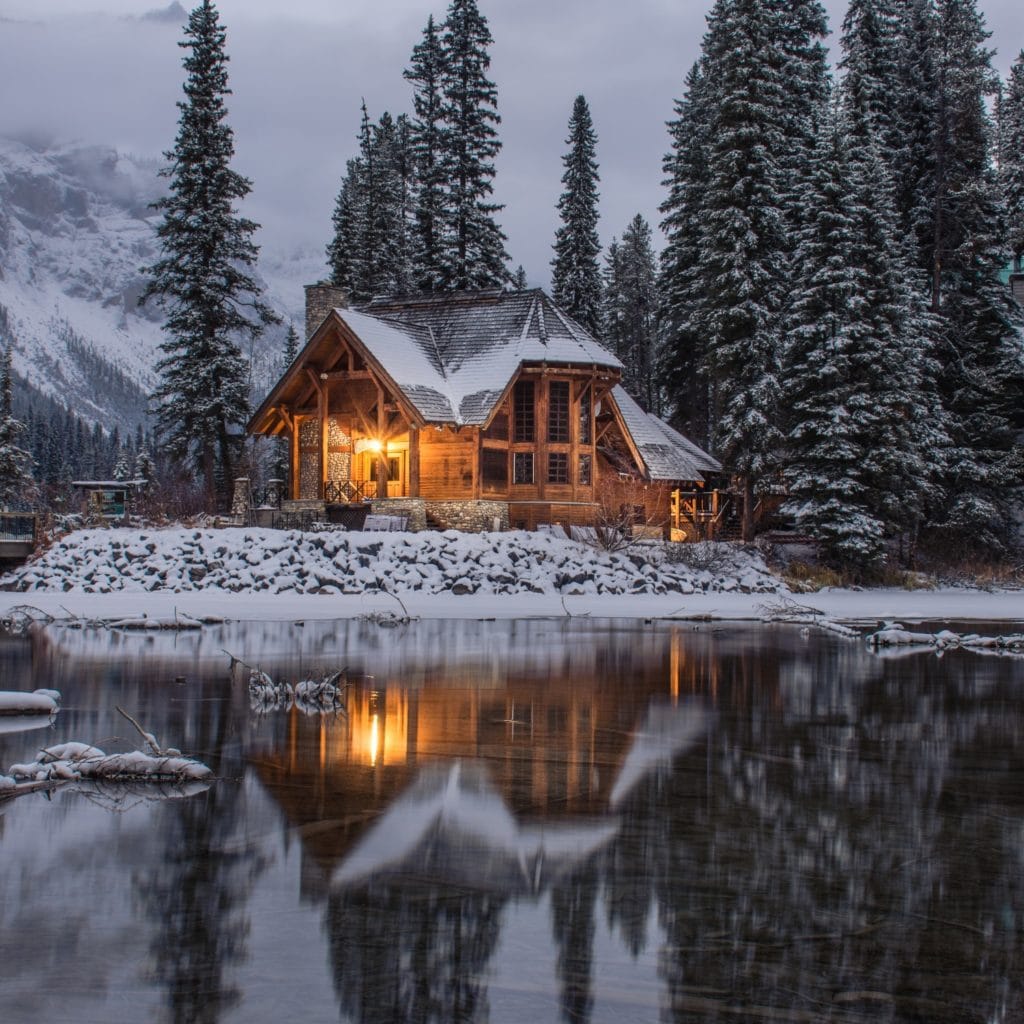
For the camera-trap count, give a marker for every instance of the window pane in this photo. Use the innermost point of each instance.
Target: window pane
(494, 469)
(586, 470)
(558, 411)
(522, 403)
(522, 468)
(558, 468)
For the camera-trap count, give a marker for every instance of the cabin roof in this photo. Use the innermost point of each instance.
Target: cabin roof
(667, 454)
(454, 355)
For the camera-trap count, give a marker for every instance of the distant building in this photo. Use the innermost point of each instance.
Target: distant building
(475, 410)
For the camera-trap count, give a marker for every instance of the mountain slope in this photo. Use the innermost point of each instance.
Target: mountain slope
(75, 228)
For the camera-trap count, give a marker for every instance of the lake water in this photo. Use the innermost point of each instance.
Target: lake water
(529, 821)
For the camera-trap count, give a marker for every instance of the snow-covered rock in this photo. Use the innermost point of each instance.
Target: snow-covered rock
(40, 702)
(273, 561)
(72, 761)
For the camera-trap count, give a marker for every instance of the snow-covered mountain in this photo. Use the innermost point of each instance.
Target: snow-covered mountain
(75, 229)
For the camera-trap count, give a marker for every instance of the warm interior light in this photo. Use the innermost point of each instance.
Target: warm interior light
(374, 739)
(374, 445)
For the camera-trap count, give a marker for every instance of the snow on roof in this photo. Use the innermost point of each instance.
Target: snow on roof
(466, 348)
(667, 454)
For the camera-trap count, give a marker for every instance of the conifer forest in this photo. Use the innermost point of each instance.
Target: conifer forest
(824, 303)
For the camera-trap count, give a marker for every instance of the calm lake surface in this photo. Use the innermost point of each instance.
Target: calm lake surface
(523, 822)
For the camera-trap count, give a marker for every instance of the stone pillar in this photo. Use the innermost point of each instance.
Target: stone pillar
(240, 499)
(320, 300)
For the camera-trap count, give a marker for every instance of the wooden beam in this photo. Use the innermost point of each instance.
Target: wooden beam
(344, 375)
(382, 460)
(414, 462)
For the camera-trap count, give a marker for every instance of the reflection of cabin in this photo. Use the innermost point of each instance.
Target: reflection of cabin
(463, 410)
(1016, 279)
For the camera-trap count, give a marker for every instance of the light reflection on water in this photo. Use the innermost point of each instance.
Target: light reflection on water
(578, 821)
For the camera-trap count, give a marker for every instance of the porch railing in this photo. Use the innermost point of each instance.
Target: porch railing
(349, 492)
(18, 526)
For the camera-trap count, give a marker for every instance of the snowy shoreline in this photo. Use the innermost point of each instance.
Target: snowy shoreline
(260, 575)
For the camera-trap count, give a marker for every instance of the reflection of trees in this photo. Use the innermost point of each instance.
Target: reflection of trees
(572, 911)
(851, 857)
(406, 953)
(196, 897)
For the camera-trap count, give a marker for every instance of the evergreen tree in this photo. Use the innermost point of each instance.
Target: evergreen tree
(472, 245)
(979, 353)
(201, 278)
(145, 467)
(122, 465)
(744, 241)
(855, 376)
(16, 484)
(281, 458)
(370, 253)
(519, 282)
(428, 137)
(631, 312)
(1011, 164)
(576, 281)
(683, 362)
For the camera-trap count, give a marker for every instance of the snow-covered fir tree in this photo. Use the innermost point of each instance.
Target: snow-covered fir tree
(519, 282)
(682, 368)
(145, 466)
(371, 251)
(576, 277)
(428, 140)
(123, 464)
(280, 463)
(978, 349)
(744, 244)
(202, 278)
(630, 311)
(472, 245)
(16, 483)
(1011, 163)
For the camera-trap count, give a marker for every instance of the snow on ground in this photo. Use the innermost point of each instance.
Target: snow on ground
(183, 583)
(249, 561)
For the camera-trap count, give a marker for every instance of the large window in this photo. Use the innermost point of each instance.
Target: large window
(558, 467)
(522, 468)
(558, 412)
(525, 425)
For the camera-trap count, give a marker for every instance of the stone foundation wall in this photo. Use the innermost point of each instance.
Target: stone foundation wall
(469, 516)
(414, 508)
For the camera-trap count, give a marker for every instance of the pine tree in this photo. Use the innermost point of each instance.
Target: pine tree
(428, 136)
(201, 278)
(370, 253)
(16, 483)
(1011, 163)
(145, 467)
(281, 458)
(122, 465)
(519, 282)
(472, 245)
(576, 281)
(744, 244)
(855, 377)
(631, 312)
(980, 365)
(683, 355)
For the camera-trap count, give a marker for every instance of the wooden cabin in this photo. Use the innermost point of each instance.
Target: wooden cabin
(473, 411)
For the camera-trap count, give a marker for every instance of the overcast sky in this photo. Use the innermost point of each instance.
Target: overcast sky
(96, 71)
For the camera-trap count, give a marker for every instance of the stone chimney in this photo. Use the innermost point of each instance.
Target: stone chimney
(320, 300)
